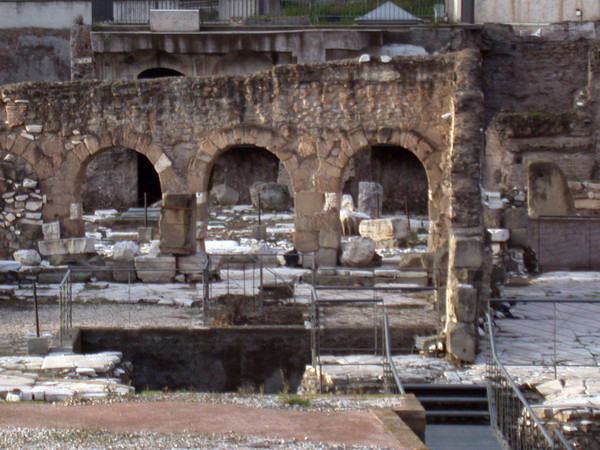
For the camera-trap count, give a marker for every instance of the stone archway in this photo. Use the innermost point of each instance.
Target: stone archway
(213, 145)
(400, 173)
(118, 178)
(66, 190)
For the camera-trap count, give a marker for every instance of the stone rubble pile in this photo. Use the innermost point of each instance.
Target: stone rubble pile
(21, 204)
(59, 377)
(586, 195)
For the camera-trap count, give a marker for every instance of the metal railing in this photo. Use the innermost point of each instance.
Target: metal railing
(550, 333)
(511, 417)
(391, 378)
(277, 12)
(318, 327)
(65, 307)
(244, 275)
(354, 297)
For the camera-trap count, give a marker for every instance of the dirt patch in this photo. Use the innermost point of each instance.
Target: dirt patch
(242, 310)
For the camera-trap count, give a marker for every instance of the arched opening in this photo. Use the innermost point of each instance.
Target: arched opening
(400, 173)
(117, 178)
(397, 189)
(233, 192)
(159, 72)
(21, 203)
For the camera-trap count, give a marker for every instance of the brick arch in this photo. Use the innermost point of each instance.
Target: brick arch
(429, 155)
(91, 145)
(215, 144)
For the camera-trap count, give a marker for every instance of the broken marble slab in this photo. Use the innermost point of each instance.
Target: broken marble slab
(70, 246)
(100, 363)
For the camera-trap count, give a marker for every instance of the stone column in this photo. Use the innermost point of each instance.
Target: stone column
(317, 227)
(177, 224)
(468, 268)
(74, 226)
(465, 263)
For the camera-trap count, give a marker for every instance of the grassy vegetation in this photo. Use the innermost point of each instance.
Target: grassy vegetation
(294, 399)
(92, 287)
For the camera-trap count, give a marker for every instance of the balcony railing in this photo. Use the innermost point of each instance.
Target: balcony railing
(275, 12)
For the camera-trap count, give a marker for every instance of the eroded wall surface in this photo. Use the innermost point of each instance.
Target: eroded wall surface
(313, 117)
(33, 54)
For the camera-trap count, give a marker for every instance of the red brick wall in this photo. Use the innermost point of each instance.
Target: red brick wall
(566, 242)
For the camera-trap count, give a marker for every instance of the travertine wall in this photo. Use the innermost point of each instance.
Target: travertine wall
(313, 117)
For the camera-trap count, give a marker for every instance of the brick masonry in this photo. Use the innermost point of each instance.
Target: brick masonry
(566, 243)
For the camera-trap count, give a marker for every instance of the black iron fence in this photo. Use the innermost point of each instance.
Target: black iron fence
(276, 12)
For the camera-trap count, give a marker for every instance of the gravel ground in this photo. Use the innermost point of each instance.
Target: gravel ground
(50, 438)
(279, 401)
(17, 319)
(44, 438)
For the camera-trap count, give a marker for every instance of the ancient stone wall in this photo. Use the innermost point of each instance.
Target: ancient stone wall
(516, 139)
(532, 74)
(540, 106)
(20, 205)
(314, 118)
(111, 181)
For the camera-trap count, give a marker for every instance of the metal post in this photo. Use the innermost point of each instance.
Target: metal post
(244, 279)
(259, 208)
(554, 339)
(407, 212)
(145, 210)
(539, 248)
(375, 328)
(129, 294)
(35, 305)
(260, 287)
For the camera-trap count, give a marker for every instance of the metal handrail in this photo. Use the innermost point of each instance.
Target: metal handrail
(65, 306)
(388, 362)
(543, 300)
(256, 259)
(388, 354)
(519, 395)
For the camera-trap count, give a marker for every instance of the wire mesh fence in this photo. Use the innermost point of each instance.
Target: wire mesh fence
(551, 333)
(362, 310)
(511, 416)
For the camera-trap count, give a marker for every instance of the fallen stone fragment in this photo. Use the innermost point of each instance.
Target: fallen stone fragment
(358, 252)
(27, 257)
